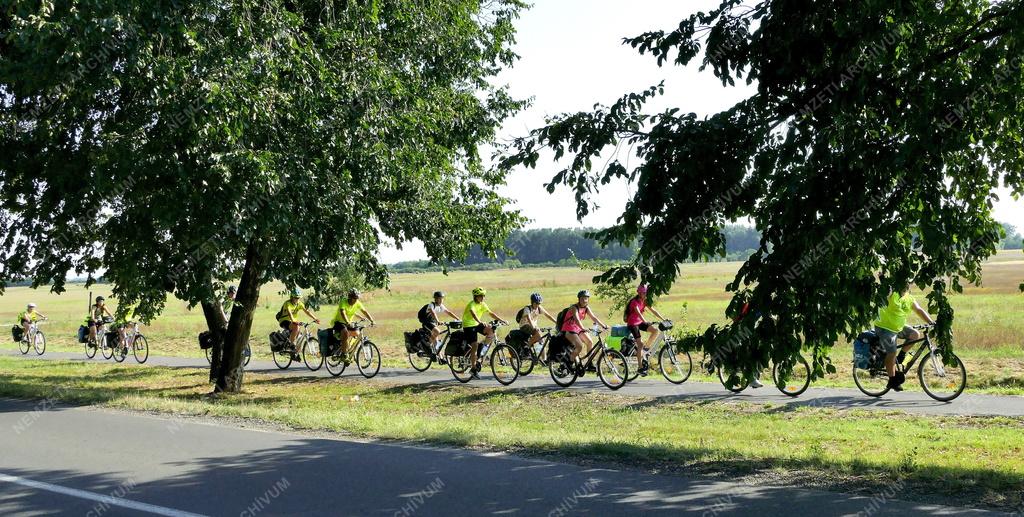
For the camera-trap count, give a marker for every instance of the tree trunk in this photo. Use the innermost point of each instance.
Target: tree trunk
(218, 326)
(229, 376)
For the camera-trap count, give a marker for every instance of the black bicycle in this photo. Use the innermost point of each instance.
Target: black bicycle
(941, 381)
(532, 355)
(792, 377)
(610, 364)
(246, 354)
(503, 358)
(422, 353)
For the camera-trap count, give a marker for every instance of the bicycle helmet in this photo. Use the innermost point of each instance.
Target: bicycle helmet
(641, 289)
(438, 294)
(100, 299)
(232, 289)
(353, 293)
(583, 294)
(479, 291)
(31, 305)
(295, 292)
(536, 298)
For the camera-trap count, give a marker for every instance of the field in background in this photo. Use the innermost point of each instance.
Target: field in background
(989, 319)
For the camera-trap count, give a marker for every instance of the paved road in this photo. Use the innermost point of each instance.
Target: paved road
(654, 386)
(94, 462)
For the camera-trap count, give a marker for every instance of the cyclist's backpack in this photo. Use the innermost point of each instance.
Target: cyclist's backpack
(864, 348)
(83, 334)
(17, 333)
(280, 314)
(520, 314)
(560, 318)
(424, 315)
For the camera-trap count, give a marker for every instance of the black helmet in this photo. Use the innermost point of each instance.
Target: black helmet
(100, 299)
(353, 293)
(536, 298)
(232, 289)
(583, 294)
(438, 294)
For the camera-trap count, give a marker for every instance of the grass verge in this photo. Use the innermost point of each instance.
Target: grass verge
(966, 461)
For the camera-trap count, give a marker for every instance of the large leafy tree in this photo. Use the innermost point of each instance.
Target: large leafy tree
(867, 156)
(171, 145)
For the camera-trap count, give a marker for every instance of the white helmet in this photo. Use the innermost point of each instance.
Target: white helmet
(31, 306)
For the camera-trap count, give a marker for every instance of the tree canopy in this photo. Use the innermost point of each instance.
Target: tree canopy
(172, 144)
(867, 156)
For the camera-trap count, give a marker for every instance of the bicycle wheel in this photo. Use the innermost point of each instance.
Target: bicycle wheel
(461, 367)
(311, 354)
(733, 382)
(141, 349)
(335, 366)
(368, 359)
(90, 349)
(613, 369)
(420, 363)
(40, 343)
(675, 366)
(283, 358)
(792, 379)
(120, 352)
(563, 373)
(941, 382)
(873, 382)
(246, 354)
(527, 361)
(505, 364)
(632, 365)
(105, 348)
(23, 345)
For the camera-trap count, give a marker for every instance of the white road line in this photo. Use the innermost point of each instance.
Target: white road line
(99, 498)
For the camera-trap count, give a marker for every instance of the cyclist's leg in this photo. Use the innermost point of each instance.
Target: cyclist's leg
(92, 331)
(535, 337)
(293, 331)
(25, 327)
(473, 337)
(653, 333)
(577, 345)
(887, 340)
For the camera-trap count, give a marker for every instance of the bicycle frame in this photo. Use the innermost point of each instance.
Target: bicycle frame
(926, 343)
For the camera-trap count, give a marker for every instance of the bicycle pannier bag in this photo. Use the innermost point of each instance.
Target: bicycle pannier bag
(862, 349)
(17, 333)
(83, 334)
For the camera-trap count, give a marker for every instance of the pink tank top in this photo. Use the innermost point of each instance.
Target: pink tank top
(572, 324)
(634, 311)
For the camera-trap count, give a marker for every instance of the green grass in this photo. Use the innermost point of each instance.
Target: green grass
(969, 461)
(989, 319)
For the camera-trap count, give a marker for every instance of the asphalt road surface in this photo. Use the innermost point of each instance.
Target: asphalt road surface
(92, 462)
(653, 386)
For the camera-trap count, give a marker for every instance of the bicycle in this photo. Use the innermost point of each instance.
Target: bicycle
(612, 368)
(672, 368)
(504, 360)
(91, 344)
(941, 382)
(132, 339)
(34, 339)
(284, 351)
(246, 354)
(422, 354)
(530, 356)
(367, 356)
(792, 377)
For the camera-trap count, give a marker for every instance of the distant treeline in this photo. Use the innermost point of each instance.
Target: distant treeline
(558, 246)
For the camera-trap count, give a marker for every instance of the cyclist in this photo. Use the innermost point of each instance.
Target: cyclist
(744, 312)
(636, 323)
(430, 317)
(344, 321)
(95, 318)
(528, 318)
(473, 325)
(892, 324)
(572, 326)
(122, 322)
(288, 317)
(28, 317)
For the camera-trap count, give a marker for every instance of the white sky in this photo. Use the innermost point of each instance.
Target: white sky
(572, 57)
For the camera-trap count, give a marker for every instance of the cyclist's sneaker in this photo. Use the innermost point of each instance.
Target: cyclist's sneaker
(474, 374)
(897, 387)
(756, 383)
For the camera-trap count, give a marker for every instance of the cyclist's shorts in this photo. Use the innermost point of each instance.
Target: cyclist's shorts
(473, 334)
(636, 329)
(285, 324)
(887, 338)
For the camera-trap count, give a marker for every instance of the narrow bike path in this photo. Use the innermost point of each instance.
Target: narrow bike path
(916, 402)
(113, 463)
